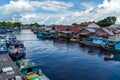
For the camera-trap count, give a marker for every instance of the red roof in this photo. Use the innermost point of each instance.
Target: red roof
(75, 29)
(61, 28)
(68, 28)
(102, 35)
(115, 30)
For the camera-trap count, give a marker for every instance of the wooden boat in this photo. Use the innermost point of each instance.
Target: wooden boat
(112, 45)
(30, 70)
(95, 42)
(75, 39)
(8, 69)
(16, 53)
(109, 56)
(35, 31)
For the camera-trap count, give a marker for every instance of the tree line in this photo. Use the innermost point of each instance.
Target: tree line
(102, 23)
(17, 24)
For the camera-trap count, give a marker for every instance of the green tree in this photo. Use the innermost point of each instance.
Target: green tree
(3, 23)
(9, 24)
(107, 21)
(17, 24)
(75, 24)
(36, 24)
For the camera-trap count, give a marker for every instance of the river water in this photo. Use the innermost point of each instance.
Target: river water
(68, 61)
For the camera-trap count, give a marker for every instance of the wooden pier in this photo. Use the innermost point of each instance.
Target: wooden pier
(8, 69)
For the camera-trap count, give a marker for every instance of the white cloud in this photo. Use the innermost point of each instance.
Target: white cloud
(21, 7)
(52, 5)
(87, 5)
(29, 11)
(14, 8)
(108, 8)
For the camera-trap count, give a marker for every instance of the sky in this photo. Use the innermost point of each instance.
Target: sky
(63, 12)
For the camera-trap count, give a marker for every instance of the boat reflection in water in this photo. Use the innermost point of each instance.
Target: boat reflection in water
(115, 57)
(107, 55)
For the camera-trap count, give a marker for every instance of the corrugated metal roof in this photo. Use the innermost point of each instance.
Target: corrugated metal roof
(66, 32)
(90, 30)
(93, 25)
(115, 26)
(68, 28)
(61, 28)
(108, 31)
(75, 29)
(115, 30)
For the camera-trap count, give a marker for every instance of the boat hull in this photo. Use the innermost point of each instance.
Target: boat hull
(3, 52)
(88, 43)
(43, 36)
(74, 40)
(54, 37)
(111, 50)
(18, 56)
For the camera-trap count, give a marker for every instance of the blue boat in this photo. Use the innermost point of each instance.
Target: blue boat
(2, 31)
(3, 47)
(94, 41)
(11, 40)
(43, 35)
(54, 37)
(113, 46)
(30, 70)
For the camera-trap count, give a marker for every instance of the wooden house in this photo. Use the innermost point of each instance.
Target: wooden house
(93, 26)
(65, 34)
(75, 33)
(103, 33)
(116, 35)
(86, 33)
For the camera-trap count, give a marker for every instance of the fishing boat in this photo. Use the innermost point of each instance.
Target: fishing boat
(43, 35)
(30, 70)
(112, 45)
(2, 40)
(115, 57)
(3, 47)
(12, 38)
(75, 39)
(95, 42)
(9, 70)
(3, 31)
(16, 53)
